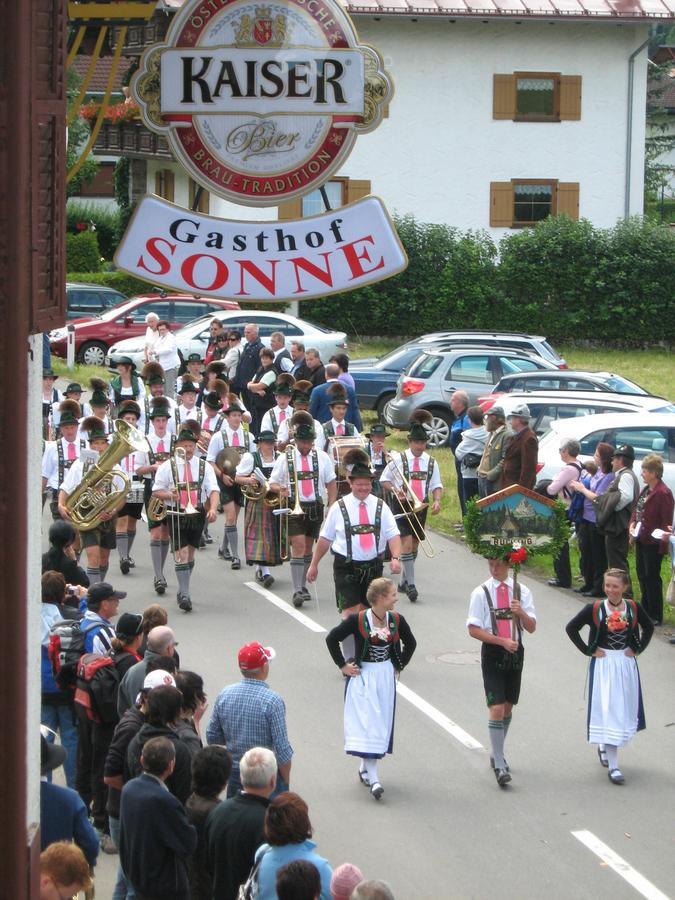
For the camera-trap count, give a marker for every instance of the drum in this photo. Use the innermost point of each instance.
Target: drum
(338, 446)
(136, 493)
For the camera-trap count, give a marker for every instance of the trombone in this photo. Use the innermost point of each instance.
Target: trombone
(284, 515)
(415, 507)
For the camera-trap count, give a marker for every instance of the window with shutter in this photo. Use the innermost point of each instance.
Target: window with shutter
(339, 191)
(536, 97)
(567, 200)
(503, 96)
(501, 204)
(570, 97)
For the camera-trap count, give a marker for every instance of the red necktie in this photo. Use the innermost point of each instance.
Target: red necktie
(160, 447)
(72, 454)
(416, 482)
(306, 484)
(282, 416)
(503, 625)
(207, 424)
(340, 430)
(367, 540)
(187, 478)
(235, 440)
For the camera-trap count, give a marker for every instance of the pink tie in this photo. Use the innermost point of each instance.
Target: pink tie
(503, 625)
(71, 450)
(416, 482)
(207, 424)
(306, 485)
(187, 477)
(235, 440)
(160, 447)
(367, 540)
(340, 430)
(282, 416)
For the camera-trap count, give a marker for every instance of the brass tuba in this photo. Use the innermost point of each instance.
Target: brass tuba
(101, 489)
(261, 491)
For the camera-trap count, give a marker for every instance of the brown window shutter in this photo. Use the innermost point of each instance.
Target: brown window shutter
(503, 96)
(567, 199)
(356, 190)
(204, 202)
(168, 185)
(158, 182)
(570, 97)
(290, 209)
(501, 204)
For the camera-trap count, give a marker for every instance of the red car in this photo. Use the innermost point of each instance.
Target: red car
(95, 334)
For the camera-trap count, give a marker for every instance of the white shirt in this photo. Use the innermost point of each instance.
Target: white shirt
(153, 440)
(334, 527)
(217, 442)
(336, 425)
(132, 462)
(231, 361)
(164, 477)
(266, 424)
(246, 465)
(479, 611)
(325, 473)
(282, 434)
(394, 469)
(50, 461)
(151, 335)
(171, 427)
(626, 489)
(166, 351)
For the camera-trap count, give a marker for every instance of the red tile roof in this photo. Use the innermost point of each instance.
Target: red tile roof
(626, 10)
(99, 79)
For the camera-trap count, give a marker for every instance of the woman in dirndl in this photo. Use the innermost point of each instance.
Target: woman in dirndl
(261, 526)
(619, 629)
(384, 646)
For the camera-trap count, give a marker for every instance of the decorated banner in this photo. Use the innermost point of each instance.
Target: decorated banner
(261, 103)
(193, 253)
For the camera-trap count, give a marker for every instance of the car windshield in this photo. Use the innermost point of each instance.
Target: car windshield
(398, 359)
(623, 386)
(317, 327)
(114, 311)
(425, 366)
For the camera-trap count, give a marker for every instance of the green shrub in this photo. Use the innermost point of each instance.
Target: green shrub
(120, 281)
(105, 219)
(82, 252)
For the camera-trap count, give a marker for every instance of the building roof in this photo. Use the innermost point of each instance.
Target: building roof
(99, 79)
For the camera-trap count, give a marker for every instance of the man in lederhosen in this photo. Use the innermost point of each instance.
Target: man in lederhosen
(187, 408)
(50, 401)
(192, 484)
(232, 434)
(422, 474)
(99, 406)
(153, 375)
(161, 446)
(282, 411)
(313, 472)
(60, 455)
(135, 465)
(357, 530)
(377, 453)
(300, 399)
(336, 426)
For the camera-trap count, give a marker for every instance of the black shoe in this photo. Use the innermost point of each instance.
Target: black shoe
(236, 562)
(412, 593)
(492, 764)
(160, 585)
(184, 603)
(403, 587)
(298, 599)
(305, 593)
(616, 776)
(268, 580)
(590, 593)
(376, 790)
(124, 566)
(503, 777)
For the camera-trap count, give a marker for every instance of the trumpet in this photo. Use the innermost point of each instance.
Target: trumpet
(415, 506)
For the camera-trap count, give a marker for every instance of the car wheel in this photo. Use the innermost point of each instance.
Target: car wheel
(382, 404)
(439, 429)
(93, 354)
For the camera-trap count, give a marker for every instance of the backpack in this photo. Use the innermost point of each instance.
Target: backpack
(97, 684)
(66, 646)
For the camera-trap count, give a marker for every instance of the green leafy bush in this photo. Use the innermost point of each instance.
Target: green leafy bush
(120, 281)
(105, 220)
(82, 252)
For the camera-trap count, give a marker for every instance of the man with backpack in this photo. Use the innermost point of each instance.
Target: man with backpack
(561, 487)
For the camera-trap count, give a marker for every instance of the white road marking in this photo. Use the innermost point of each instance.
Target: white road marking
(620, 866)
(289, 610)
(438, 717)
(419, 702)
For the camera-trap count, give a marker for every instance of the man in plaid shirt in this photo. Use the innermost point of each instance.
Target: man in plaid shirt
(250, 714)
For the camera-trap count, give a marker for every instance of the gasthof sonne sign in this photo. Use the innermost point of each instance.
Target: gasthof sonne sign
(261, 103)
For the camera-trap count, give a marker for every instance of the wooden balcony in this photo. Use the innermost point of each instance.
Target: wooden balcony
(130, 138)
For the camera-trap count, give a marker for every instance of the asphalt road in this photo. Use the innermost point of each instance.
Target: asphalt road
(444, 829)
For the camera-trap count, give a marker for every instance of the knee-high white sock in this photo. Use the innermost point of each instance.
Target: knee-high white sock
(232, 539)
(122, 544)
(165, 551)
(612, 756)
(496, 731)
(104, 571)
(156, 556)
(297, 570)
(370, 766)
(94, 575)
(408, 563)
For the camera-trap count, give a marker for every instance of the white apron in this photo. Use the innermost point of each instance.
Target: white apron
(369, 710)
(614, 700)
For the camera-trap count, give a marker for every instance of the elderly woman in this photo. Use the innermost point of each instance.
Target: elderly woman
(288, 832)
(151, 335)
(590, 538)
(654, 510)
(619, 629)
(166, 352)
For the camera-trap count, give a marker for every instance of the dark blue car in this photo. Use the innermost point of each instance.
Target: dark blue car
(376, 379)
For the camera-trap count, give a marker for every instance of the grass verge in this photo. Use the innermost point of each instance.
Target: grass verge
(79, 373)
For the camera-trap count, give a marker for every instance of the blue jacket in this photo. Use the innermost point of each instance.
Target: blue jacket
(63, 817)
(276, 857)
(319, 408)
(93, 624)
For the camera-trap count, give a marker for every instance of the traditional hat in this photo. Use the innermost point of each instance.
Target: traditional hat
(73, 388)
(153, 373)
(212, 400)
(284, 384)
(95, 428)
(70, 412)
(47, 373)
(159, 406)
(125, 361)
(626, 451)
(357, 464)
(303, 423)
(99, 392)
(378, 428)
(188, 387)
(189, 431)
(234, 404)
(302, 390)
(195, 357)
(336, 394)
(129, 406)
(267, 435)
(418, 420)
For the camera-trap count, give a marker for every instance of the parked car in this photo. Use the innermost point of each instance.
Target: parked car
(547, 406)
(90, 299)
(432, 379)
(376, 380)
(94, 335)
(508, 340)
(194, 337)
(607, 382)
(646, 432)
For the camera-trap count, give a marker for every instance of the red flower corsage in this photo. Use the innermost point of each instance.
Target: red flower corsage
(517, 555)
(616, 622)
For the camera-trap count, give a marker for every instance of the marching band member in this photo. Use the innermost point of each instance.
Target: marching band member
(97, 542)
(311, 472)
(357, 530)
(377, 453)
(50, 400)
(126, 385)
(60, 455)
(153, 375)
(213, 372)
(213, 417)
(336, 425)
(74, 392)
(186, 485)
(135, 466)
(261, 526)
(422, 474)
(300, 400)
(232, 435)
(193, 372)
(187, 408)
(99, 405)
(161, 446)
(159, 408)
(275, 417)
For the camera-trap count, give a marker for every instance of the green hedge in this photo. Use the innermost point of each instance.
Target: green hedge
(82, 252)
(125, 284)
(567, 280)
(105, 219)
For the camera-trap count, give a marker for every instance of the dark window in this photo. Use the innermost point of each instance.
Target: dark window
(471, 368)
(184, 312)
(425, 366)
(536, 96)
(518, 364)
(532, 202)
(138, 314)
(644, 440)
(112, 298)
(84, 302)
(591, 441)
(313, 205)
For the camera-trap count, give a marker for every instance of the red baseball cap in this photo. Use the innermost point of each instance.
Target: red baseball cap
(254, 656)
